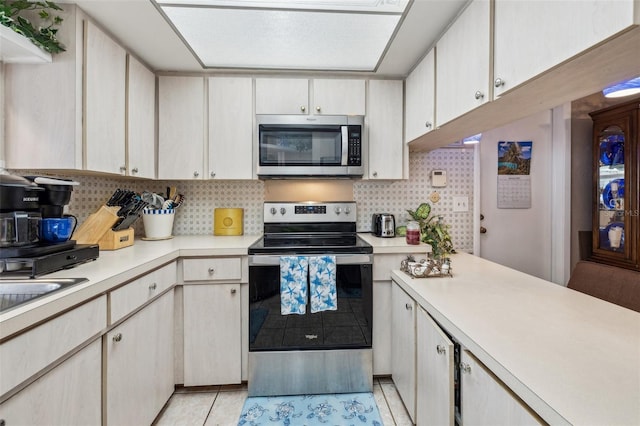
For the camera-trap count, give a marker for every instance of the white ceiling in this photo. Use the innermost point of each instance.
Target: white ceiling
(141, 28)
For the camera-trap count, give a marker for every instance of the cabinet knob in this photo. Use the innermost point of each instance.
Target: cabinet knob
(117, 337)
(428, 124)
(498, 82)
(465, 368)
(408, 306)
(479, 95)
(441, 349)
(213, 174)
(233, 291)
(134, 170)
(196, 174)
(123, 169)
(483, 230)
(375, 174)
(303, 108)
(153, 286)
(211, 271)
(318, 109)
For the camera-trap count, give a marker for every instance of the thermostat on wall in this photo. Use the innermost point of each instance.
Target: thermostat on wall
(438, 178)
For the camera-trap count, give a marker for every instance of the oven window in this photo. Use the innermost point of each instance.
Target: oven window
(300, 145)
(348, 327)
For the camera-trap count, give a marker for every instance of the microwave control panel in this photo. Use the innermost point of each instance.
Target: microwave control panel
(355, 146)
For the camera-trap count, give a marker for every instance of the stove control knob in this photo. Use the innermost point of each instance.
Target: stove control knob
(283, 210)
(347, 210)
(338, 210)
(273, 210)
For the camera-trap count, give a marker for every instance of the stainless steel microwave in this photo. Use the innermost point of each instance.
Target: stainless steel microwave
(309, 145)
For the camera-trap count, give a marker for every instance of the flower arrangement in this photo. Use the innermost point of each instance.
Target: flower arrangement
(433, 230)
(12, 15)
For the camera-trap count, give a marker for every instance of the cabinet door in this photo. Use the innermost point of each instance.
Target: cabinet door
(70, 394)
(181, 127)
(555, 31)
(282, 96)
(212, 345)
(230, 128)
(338, 97)
(420, 99)
(486, 400)
(386, 147)
(141, 119)
(139, 365)
(403, 347)
(435, 388)
(105, 79)
(462, 65)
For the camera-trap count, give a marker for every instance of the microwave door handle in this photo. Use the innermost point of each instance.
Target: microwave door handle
(345, 145)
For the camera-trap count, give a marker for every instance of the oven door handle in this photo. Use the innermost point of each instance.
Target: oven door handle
(341, 259)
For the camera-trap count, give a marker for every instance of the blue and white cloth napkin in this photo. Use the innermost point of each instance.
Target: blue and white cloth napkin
(322, 283)
(293, 284)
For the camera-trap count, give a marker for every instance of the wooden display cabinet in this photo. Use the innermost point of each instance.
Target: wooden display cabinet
(616, 164)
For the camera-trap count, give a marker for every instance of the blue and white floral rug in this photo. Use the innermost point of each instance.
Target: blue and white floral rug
(343, 409)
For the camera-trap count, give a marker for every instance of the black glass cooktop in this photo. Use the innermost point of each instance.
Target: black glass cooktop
(310, 243)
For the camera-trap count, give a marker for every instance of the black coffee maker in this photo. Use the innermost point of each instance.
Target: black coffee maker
(24, 202)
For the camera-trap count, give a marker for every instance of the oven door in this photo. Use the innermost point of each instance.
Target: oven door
(348, 327)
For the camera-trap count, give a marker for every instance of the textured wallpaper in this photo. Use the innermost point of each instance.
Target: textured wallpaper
(195, 216)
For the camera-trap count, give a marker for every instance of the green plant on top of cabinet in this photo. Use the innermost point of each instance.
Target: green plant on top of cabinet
(291, 96)
(462, 63)
(105, 100)
(533, 37)
(387, 153)
(616, 199)
(230, 128)
(181, 121)
(420, 98)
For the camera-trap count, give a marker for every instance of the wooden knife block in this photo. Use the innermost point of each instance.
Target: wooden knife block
(97, 230)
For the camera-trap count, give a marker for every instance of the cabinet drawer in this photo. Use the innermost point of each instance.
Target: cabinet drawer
(212, 269)
(32, 351)
(135, 294)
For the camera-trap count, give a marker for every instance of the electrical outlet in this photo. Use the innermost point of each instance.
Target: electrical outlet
(460, 204)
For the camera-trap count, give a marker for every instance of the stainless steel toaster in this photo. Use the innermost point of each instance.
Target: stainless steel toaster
(383, 225)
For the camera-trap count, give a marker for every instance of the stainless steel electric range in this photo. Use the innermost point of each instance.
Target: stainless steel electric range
(312, 353)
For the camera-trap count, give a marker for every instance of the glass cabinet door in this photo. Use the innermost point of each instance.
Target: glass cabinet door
(612, 197)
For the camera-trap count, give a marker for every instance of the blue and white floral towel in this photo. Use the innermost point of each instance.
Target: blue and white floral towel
(293, 284)
(322, 283)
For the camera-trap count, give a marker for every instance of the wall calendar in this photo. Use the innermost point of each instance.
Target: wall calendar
(514, 174)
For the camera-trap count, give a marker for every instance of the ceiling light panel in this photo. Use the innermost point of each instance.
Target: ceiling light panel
(282, 39)
(383, 6)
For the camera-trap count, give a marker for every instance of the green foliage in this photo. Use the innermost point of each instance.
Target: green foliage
(12, 16)
(433, 230)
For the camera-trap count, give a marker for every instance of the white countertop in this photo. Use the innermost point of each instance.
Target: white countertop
(394, 245)
(573, 358)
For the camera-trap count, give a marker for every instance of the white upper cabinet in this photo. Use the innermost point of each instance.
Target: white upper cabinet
(181, 121)
(105, 79)
(534, 36)
(462, 63)
(338, 97)
(386, 148)
(141, 118)
(420, 98)
(282, 96)
(291, 96)
(43, 105)
(230, 127)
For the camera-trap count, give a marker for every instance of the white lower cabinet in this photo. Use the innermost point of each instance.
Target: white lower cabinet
(212, 334)
(486, 400)
(139, 365)
(403, 347)
(435, 373)
(70, 394)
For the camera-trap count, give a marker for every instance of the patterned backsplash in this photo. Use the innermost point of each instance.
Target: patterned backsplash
(195, 216)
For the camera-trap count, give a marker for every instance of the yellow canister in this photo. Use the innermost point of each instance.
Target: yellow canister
(228, 221)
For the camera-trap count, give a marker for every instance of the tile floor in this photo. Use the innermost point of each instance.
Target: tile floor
(222, 405)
